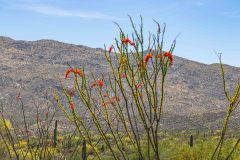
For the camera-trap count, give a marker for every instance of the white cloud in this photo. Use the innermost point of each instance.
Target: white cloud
(59, 12)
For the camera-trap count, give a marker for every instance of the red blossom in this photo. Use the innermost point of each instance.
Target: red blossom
(159, 56)
(75, 71)
(72, 106)
(68, 72)
(132, 43)
(126, 41)
(46, 114)
(138, 85)
(110, 49)
(169, 56)
(147, 57)
(79, 72)
(99, 83)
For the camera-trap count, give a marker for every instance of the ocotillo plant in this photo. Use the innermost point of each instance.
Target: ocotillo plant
(233, 104)
(14, 135)
(128, 101)
(55, 133)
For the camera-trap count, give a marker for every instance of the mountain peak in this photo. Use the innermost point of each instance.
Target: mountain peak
(5, 39)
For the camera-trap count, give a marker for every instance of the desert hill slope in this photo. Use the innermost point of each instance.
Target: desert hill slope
(195, 96)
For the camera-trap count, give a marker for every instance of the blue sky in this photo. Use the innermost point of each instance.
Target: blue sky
(205, 25)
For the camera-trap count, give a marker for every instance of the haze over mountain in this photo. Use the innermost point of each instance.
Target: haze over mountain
(195, 97)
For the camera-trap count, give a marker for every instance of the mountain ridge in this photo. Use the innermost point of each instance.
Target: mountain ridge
(79, 45)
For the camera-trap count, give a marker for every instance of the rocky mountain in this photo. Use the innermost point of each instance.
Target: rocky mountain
(194, 92)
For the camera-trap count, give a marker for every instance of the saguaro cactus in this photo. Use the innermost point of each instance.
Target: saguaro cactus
(212, 132)
(191, 141)
(55, 134)
(197, 132)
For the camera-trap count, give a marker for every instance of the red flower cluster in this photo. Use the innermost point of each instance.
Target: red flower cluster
(98, 82)
(147, 57)
(75, 71)
(159, 56)
(46, 114)
(126, 41)
(138, 85)
(72, 106)
(169, 56)
(110, 49)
